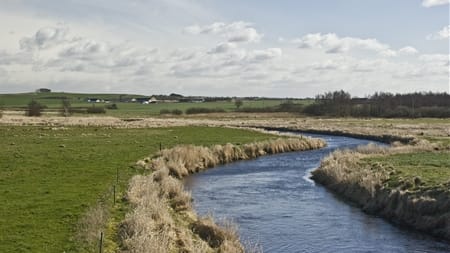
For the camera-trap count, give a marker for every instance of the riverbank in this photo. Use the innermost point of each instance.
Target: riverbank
(162, 218)
(382, 182)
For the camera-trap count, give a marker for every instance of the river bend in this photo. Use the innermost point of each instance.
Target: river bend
(277, 206)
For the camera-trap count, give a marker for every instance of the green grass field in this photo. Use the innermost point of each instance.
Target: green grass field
(432, 168)
(53, 101)
(50, 177)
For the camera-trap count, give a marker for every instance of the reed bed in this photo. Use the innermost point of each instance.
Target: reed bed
(162, 218)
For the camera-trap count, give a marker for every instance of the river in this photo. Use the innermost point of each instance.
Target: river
(278, 207)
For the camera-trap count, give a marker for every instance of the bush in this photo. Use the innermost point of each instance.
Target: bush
(112, 107)
(177, 112)
(167, 111)
(198, 110)
(257, 109)
(34, 109)
(95, 110)
(164, 111)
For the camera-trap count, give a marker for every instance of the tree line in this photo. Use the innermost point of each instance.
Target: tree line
(381, 104)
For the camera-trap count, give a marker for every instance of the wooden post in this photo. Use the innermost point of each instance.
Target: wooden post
(160, 146)
(114, 195)
(117, 175)
(100, 246)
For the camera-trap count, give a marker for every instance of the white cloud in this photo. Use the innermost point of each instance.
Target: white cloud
(22, 58)
(263, 55)
(408, 50)
(443, 34)
(432, 3)
(234, 32)
(333, 44)
(44, 38)
(223, 48)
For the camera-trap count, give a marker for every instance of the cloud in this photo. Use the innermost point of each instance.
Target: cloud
(234, 32)
(264, 55)
(408, 50)
(432, 3)
(44, 38)
(22, 58)
(333, 44)
(443, 34)
(223, 48)
(229, 64)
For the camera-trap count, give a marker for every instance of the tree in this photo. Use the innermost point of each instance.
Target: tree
(34, 108)
(238, 103)
(66, 111)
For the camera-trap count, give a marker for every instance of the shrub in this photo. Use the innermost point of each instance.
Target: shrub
(198, 110)
(34, 109)
(95, 110)
(167, 111)
(164, 111)
(112, 107)
(238, 103)
(177, 112)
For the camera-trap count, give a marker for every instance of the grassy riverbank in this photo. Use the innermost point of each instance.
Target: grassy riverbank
(162, 218)
(409, 185)
(416, 171)
(50, 176)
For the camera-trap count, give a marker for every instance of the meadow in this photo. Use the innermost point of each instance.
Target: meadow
(417, 171)
(53, 102)
(51, 176)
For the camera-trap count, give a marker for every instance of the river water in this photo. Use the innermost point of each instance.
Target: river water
(278, 207)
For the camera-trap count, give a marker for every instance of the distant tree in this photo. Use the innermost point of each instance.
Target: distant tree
(238, 103)
(34, 109)
(66, 107)
(175, 95)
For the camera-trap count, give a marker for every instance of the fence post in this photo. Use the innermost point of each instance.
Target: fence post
(114, 195)
(117, 175)
(100, 247)
(160, 146)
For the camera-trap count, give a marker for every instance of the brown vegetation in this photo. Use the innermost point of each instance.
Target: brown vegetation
(367, 185)
(162, 218)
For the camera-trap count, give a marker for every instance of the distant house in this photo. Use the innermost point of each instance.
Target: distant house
(198, 100)
(192, 100)
(95, 100)
(153, 100)
(43, 90)
(143, 100)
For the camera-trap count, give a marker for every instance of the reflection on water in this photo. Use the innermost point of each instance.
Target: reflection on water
(277, 206)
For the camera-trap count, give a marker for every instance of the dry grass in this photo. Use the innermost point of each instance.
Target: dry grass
(182, 161)
(344, 167)
(91, 225)
(163, 220)
(148, 228)
(368, 184)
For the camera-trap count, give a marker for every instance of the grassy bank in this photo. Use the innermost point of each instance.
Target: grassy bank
(50, 176)
(409, 185)
(162, 218)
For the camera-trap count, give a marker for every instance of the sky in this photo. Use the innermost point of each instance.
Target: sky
(284, 48)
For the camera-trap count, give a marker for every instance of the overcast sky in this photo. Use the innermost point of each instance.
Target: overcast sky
(284, 48)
